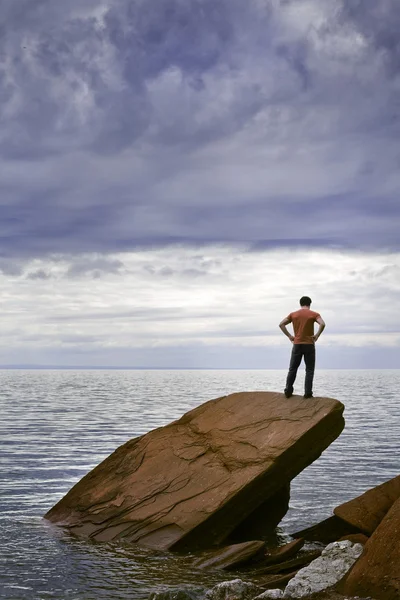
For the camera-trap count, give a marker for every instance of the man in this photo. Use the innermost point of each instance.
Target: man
(303, 344)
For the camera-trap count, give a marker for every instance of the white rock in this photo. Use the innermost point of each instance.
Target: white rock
(325, 571)
(236, 589)
(270, 594)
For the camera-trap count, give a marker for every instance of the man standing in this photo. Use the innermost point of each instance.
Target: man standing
(303, 344)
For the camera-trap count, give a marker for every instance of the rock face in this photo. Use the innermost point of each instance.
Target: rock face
(325, 571)
(264, 519)
(188, 485)
(366, 511)
(377, 572)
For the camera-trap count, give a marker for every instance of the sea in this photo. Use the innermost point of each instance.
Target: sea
(56, 425)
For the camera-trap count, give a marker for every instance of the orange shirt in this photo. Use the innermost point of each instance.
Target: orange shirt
(303, 325)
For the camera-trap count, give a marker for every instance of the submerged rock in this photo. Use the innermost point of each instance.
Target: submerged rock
(283, 553)
(234, 590)
(188, 485)
(179, 594)
(229, 557)
(377, 572)
(325, 571)
(274, 594)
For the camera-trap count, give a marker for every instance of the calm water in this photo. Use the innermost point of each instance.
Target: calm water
(57, 425)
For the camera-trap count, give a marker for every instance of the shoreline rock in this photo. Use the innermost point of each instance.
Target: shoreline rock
(187, 486)
(377, 571)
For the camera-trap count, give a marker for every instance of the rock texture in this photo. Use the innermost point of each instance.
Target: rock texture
(188, 485)
(377, 572)
(325, 571)
(230, 557)
(366, 511)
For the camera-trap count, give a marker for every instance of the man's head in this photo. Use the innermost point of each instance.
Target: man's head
(305, 301)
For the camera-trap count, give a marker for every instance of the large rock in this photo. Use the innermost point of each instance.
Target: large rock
(188, 485)
(377, 572)
(366, 511)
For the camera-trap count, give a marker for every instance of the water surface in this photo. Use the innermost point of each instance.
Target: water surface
(57, 425)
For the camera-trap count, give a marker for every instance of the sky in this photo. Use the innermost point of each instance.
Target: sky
(176, 174)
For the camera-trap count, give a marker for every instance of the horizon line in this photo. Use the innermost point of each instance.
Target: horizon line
(155, 368)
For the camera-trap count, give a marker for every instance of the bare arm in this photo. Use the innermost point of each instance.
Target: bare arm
(282, 326)
(321, 327)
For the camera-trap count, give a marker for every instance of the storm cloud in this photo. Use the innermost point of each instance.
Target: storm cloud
(137, 124)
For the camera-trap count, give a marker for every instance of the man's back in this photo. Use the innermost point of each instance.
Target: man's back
(303, 324)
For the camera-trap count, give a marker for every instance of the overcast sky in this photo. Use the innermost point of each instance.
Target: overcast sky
(175, 174)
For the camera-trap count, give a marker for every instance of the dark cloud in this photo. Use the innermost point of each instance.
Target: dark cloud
(95, 267)
(145, 123)
(40, 274)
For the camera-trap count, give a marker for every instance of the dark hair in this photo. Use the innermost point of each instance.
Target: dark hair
(305, 301)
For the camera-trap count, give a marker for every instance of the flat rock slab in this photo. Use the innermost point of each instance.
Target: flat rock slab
(377, 571)
(186, 486)
(230, 557)
(283, 553)
(290, 565)
(366, 511)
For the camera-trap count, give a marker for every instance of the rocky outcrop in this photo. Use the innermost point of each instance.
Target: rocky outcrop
(366, 511)
(377, 572)
(188, 485)
(325, 571)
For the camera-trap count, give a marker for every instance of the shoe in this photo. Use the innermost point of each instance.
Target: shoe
(308, 396)
(288, 394)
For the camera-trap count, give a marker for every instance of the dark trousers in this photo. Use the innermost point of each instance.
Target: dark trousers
(298, 351)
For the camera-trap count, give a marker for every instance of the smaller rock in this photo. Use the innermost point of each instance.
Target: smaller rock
(284, 552)
(377, 572)
(234, 590)
(325, 571)
(368, 510)
(270, 594)
(230, 557)
(355, 538)
(178, 594)
(327, 531)
(290, 565)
